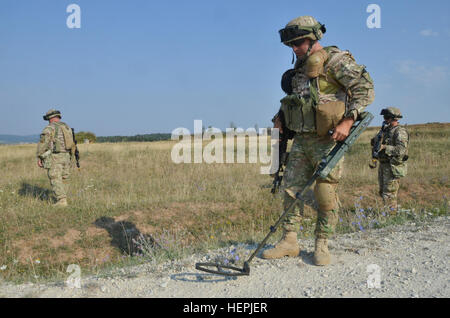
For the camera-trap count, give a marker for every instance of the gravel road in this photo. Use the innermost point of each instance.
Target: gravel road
(410, 260)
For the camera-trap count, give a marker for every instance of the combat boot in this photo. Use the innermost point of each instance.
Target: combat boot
(61, 203)
(321, 254)
(287, 246)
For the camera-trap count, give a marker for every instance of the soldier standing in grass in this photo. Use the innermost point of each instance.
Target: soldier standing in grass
(326, 90)
(393, 154)
(54, 154)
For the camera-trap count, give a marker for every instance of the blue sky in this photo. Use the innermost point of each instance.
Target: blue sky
(144, 66)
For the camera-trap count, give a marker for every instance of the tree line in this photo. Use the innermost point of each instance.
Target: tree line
(145, 137)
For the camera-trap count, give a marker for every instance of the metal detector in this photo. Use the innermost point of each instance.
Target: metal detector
(325, 166)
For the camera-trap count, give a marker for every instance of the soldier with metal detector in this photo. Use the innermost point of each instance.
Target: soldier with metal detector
(326, 91)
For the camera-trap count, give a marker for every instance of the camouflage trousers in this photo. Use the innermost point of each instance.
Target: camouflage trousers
(306, 153)
(58, 170)
(388, 185)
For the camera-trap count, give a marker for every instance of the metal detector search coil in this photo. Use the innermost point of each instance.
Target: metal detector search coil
(234, 271)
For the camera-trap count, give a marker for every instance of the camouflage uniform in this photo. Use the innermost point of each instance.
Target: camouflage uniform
(323, 88)
(392, 164)
(57, 160)
(348, 78)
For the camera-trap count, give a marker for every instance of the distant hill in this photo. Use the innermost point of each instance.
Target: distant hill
(14, 139)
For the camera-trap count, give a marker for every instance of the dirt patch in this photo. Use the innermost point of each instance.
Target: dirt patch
(175, 216)
(93, 231)
(25, 251)
(67, 240)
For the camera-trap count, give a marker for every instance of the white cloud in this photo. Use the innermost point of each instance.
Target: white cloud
(428, 32)
(428, 75)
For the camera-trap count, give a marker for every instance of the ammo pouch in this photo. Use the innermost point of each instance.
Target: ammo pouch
(47, 163)
(46, 159)
(328, 116)
(300, 111)
(400, 170)
(398, 166)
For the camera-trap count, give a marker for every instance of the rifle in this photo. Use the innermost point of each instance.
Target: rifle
(283, 155)
(377, 142)
(324, 168)
(76, 153)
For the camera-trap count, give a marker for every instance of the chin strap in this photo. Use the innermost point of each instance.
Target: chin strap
(311, 44)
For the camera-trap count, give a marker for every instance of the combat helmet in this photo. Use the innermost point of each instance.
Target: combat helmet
(52, 113)
(301, 28)
(392, 112)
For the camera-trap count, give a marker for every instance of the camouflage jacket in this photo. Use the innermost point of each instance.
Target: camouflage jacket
(396, 140)
(46, 143)
(341, 80)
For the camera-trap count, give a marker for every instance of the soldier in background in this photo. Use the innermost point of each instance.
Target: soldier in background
(327, 91)
(54, 154)
(393, 154)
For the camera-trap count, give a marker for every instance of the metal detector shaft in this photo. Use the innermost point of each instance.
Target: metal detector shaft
(273, 229)
(325, 166)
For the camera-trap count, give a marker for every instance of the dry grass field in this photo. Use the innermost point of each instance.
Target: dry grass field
(129, 190)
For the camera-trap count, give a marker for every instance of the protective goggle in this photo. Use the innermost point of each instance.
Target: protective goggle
(387, 114)
(46, 117)
(292, 32)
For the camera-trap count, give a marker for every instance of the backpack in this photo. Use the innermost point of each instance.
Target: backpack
(67, 135)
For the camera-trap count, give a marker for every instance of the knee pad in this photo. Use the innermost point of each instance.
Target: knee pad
(325, 194)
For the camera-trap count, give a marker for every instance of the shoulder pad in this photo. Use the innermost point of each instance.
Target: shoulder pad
(400, 130)
(330, 49)
(48, 129)
(336, 55)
